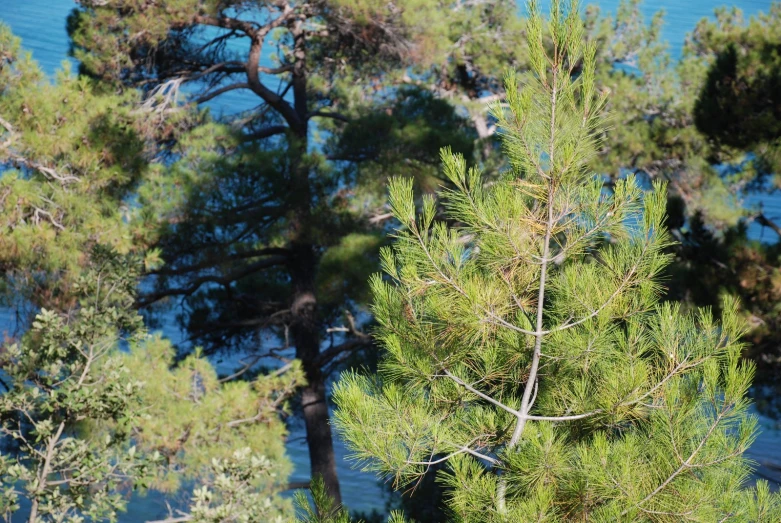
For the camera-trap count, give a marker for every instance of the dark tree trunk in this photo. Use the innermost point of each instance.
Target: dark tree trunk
(306, 336)
(303, 265)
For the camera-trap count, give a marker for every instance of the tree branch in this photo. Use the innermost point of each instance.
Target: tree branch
(462, 450)
(766, 222)
(296, 485)
(276, 70)
(269, 251)
(514, 412)
(222, 90)
(266, 132)
(532, 379)
(686, 464)
(327, 114)
(259, 323)
(225, 22)
(253, 71)
(272, 261)
(332, 352)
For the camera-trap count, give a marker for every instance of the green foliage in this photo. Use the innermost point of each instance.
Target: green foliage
(192, 418)
(232, 494)
(150, 37)
(345, 269)
(253, 201)
(673, 120)
(324, 509)
(253, 210)
(399, 136)
(85, 421)
(65, 375)
(225, 207)
(72, 157)
(526, 344)
(652, 132)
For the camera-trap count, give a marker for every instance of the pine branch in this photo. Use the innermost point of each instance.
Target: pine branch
(684, 466)
(459, 363)
(462, 450)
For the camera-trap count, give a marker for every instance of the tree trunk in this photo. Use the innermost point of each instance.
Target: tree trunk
(303, 266)
(318, 435)
(306, 336)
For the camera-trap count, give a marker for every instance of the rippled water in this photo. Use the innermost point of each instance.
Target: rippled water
(41, 25)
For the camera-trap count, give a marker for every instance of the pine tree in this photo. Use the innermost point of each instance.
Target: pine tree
(72, 156)
(526, 346)
(739, 104)
(265, 226)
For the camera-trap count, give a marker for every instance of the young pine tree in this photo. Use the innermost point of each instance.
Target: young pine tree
(526, 346)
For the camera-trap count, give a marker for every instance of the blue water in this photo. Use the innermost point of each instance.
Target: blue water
(41, 25)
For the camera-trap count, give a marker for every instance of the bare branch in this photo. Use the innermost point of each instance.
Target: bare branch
(276, 70)
(266, 132)
(766, 222)
(49, 217)
(63, 178)
(255, 253)
(328, 355)
(225, 22)
(476, 392)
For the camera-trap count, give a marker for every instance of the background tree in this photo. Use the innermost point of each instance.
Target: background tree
(71, 157)
(268, 232)
(739, 104)
(697, 122)
(743, 82)
(528, 346)
(659, 111)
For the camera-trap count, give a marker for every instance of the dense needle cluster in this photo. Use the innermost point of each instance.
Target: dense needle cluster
(525, 342)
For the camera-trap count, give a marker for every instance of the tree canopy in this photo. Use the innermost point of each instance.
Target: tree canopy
(526, 345)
